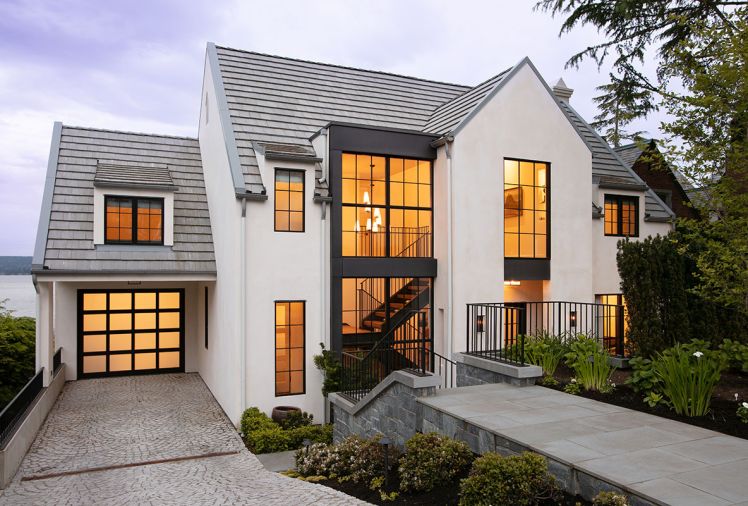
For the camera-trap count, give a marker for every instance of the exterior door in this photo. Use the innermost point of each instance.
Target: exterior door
(123, 332)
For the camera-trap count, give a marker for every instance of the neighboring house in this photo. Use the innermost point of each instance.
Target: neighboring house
(323, 204)
(647, 161)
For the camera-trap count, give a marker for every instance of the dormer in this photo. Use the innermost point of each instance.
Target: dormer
(133, 204)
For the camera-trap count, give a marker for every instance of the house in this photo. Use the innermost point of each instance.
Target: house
(325, 204)
(644, 158)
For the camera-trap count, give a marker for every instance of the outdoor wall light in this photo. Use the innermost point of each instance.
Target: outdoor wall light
(512, 283)
(479, 320)
(572, 319)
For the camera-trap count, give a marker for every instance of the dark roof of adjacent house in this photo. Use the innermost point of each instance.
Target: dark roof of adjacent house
(283, 101)
(630, 153)
(80, 156)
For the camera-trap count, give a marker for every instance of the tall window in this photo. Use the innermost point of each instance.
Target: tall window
(131, 220)
(614, 322)
(621, 215)
(289, 347)
(289, 200)
(526, 211)
(386, 206)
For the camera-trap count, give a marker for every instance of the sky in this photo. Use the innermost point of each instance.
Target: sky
(137, 65)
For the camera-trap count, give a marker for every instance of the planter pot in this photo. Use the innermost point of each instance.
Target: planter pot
(280, 413)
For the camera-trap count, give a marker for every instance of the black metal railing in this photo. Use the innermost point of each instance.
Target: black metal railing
(498, 330)
(14, 412)
(57, 360)
(445, 368)
(404, 347)
(410, 241)
(494, 332)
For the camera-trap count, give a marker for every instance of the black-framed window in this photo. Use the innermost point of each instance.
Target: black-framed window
(386, 206)
(621, 215)
(133, 220)
(290, 330)
(526, 209)
(289, 200)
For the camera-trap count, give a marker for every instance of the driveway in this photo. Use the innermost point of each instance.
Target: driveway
(148, 440)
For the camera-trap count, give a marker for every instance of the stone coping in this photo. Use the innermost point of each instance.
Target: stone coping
(414, 381)
(503, 368)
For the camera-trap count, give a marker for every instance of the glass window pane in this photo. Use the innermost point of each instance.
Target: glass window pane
(168, 340)
(94, 363)
(297, 359)
(296, 181)
(349, 244)
(282, 200)
(296, 222)
(297, 313)
(410, 198)
(526, 245)
(112, 234)
(125, 234)
(349, 191)
(145, 321)
(396, 169)
(424, 172)
(120, 342)
(282, 337)
(349, 166)
(511, 172)
(145, 361)
(411, 171)
(424, 195)
(378, 169)
(526, 173)
(396, 194)
(378, 193)
(281, 383)
(94, 322)
(145, 341)
(297, 336)
(120, 300)
(94, 301)
(541, 224)
(541, 246)
(281, 220)
(120, 362)
(168, 300)
(296, 201)
(281, 313)
(145, 300)
(168, 359)
(511, 245)
(120, 321)
(541, 173)
(282, 360)
(297, 382)
(363, 167)
(511, 224)
(168, 320)
(95, 342)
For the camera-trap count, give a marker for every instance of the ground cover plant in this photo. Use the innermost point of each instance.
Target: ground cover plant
(545, 350)
(590, 363)
(263, 435)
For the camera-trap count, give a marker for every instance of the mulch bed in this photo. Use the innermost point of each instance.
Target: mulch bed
(721, 418)
(446, 494)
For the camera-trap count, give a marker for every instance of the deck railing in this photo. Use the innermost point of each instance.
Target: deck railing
(57, 360)
(14, 412)
(498, 330)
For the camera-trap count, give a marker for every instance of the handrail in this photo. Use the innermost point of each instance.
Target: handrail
(14, 411)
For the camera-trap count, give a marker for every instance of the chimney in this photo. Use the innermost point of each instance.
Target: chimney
(562, 91)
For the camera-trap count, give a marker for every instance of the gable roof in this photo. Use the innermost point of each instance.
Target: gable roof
(629, 153)
(276, 100)
(65, 233)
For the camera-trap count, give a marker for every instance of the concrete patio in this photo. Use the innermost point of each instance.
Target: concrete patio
(658, 461)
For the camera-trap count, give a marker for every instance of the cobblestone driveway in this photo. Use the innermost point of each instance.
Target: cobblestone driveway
(117, 421)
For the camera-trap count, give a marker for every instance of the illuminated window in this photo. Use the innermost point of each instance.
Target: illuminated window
(386, 206)
(131, 220)
(621, 216)
(614, 322)
(526, 211)
(289, 347)
(289, 200)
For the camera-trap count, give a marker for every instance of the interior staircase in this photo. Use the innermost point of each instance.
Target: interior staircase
(413, 295)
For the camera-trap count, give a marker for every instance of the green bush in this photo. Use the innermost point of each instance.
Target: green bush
(736, 354)
(590, 364)
(430, 459)
(689, 377)
(520, 480)
(314, 433)
(329, 365)
(17, 353)
(297, 419)
(253, 419)
(316, 460)
(643, 379)
(609, 499)
(268, 440)
(546, 351)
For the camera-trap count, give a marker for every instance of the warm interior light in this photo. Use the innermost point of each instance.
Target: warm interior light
(367, 201)
(368, 223)
(512, 283)
(572, 319)
(357, 227)
(479, 323)
(541, 177)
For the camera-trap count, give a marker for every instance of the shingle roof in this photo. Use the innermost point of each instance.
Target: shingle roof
(282, 100)
(84, 152)
(629, 153)
(121, 173)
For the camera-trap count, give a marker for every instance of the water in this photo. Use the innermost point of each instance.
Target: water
(19, 290)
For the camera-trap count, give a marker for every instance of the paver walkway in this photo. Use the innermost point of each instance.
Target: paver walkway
(665, 460)
(119, 421)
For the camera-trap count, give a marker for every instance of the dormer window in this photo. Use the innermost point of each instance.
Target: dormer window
(134, 220)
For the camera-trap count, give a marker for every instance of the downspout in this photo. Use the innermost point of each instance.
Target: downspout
(243, 308)
(450, 283)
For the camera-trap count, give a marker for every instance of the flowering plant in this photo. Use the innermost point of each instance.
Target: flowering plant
(743, 412)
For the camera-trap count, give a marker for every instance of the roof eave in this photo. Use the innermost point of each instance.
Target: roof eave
(141, 186)
(42, 229)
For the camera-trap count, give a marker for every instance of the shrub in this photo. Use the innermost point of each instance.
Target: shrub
(545, 351)
(330, 367)
(430, 459)
(689, 378)
(361, 459)
(314, 433)
(742, 412)
(253, 419)
(590, 364)
(609, 499)
(736, 354)
(315, 460)
(518, 480)
(573, 387)
(296, 419)
(643, 379)
(268, 440)
(17, 351)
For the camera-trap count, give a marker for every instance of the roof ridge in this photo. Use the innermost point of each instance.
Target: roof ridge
(128, 132)
(474, 88)
(348, 67)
